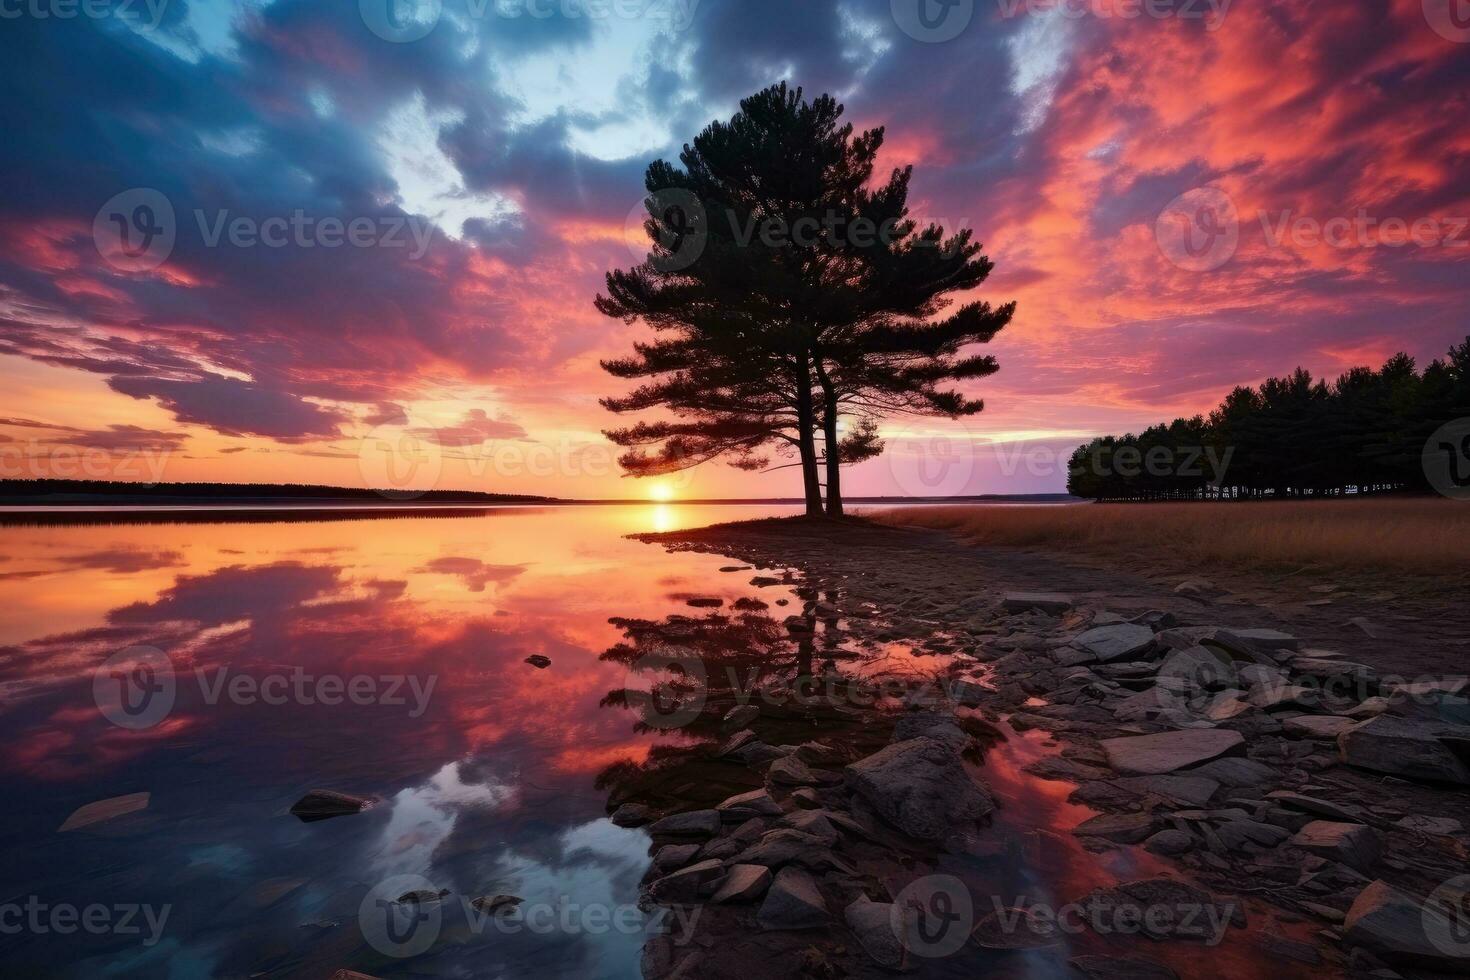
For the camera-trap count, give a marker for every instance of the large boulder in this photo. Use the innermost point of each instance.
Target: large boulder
(1115, 642)
(1168, 752)
(1408, 748)
(919, 786)
(1400, 931)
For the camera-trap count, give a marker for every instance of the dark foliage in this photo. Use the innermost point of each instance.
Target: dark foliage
(1291, 437)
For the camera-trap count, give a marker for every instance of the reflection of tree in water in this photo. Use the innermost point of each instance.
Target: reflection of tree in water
(695, 669)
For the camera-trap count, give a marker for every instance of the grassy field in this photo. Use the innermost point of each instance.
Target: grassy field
(1424, 536)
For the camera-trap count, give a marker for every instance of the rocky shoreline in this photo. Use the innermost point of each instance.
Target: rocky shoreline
(1308, 805)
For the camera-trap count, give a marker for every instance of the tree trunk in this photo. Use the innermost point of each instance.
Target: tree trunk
(805, 422)
(829, 431)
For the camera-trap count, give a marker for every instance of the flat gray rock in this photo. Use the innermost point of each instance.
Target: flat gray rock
(1052, 602)
(793, 902)
(1317, 726)
(1120, 828)
(1115, 642)
(1194, 790)
(1236, 772)
(1169, 752)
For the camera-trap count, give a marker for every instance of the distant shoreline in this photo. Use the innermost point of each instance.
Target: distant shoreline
(50, 496)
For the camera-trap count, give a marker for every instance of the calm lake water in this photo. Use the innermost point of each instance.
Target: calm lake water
(485, 766)
(225, 669)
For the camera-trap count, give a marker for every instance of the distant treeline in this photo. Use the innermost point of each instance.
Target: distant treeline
(87, 491)
(1291, 437)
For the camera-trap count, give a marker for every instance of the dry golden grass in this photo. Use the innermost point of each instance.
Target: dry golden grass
(1419, 536)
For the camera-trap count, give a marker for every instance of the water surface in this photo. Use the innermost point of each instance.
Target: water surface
(484, 765)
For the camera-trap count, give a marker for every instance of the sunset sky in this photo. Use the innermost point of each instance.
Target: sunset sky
(492, 155)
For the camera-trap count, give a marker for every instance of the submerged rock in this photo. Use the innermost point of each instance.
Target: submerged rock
(104, 810)
(323, 804)
(495, 904)
(1121, 828)
(919, 786)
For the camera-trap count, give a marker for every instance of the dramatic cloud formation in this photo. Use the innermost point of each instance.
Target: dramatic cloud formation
(278, 226)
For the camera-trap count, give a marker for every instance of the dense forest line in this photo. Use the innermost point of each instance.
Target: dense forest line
(117, 491)
(1295, 436)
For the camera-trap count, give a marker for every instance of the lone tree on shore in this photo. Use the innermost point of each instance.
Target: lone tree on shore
(787, 295)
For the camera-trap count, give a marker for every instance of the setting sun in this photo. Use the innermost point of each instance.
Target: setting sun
(661, 492)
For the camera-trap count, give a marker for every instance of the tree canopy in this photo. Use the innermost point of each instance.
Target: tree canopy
(1294, 436)
(790, 296)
